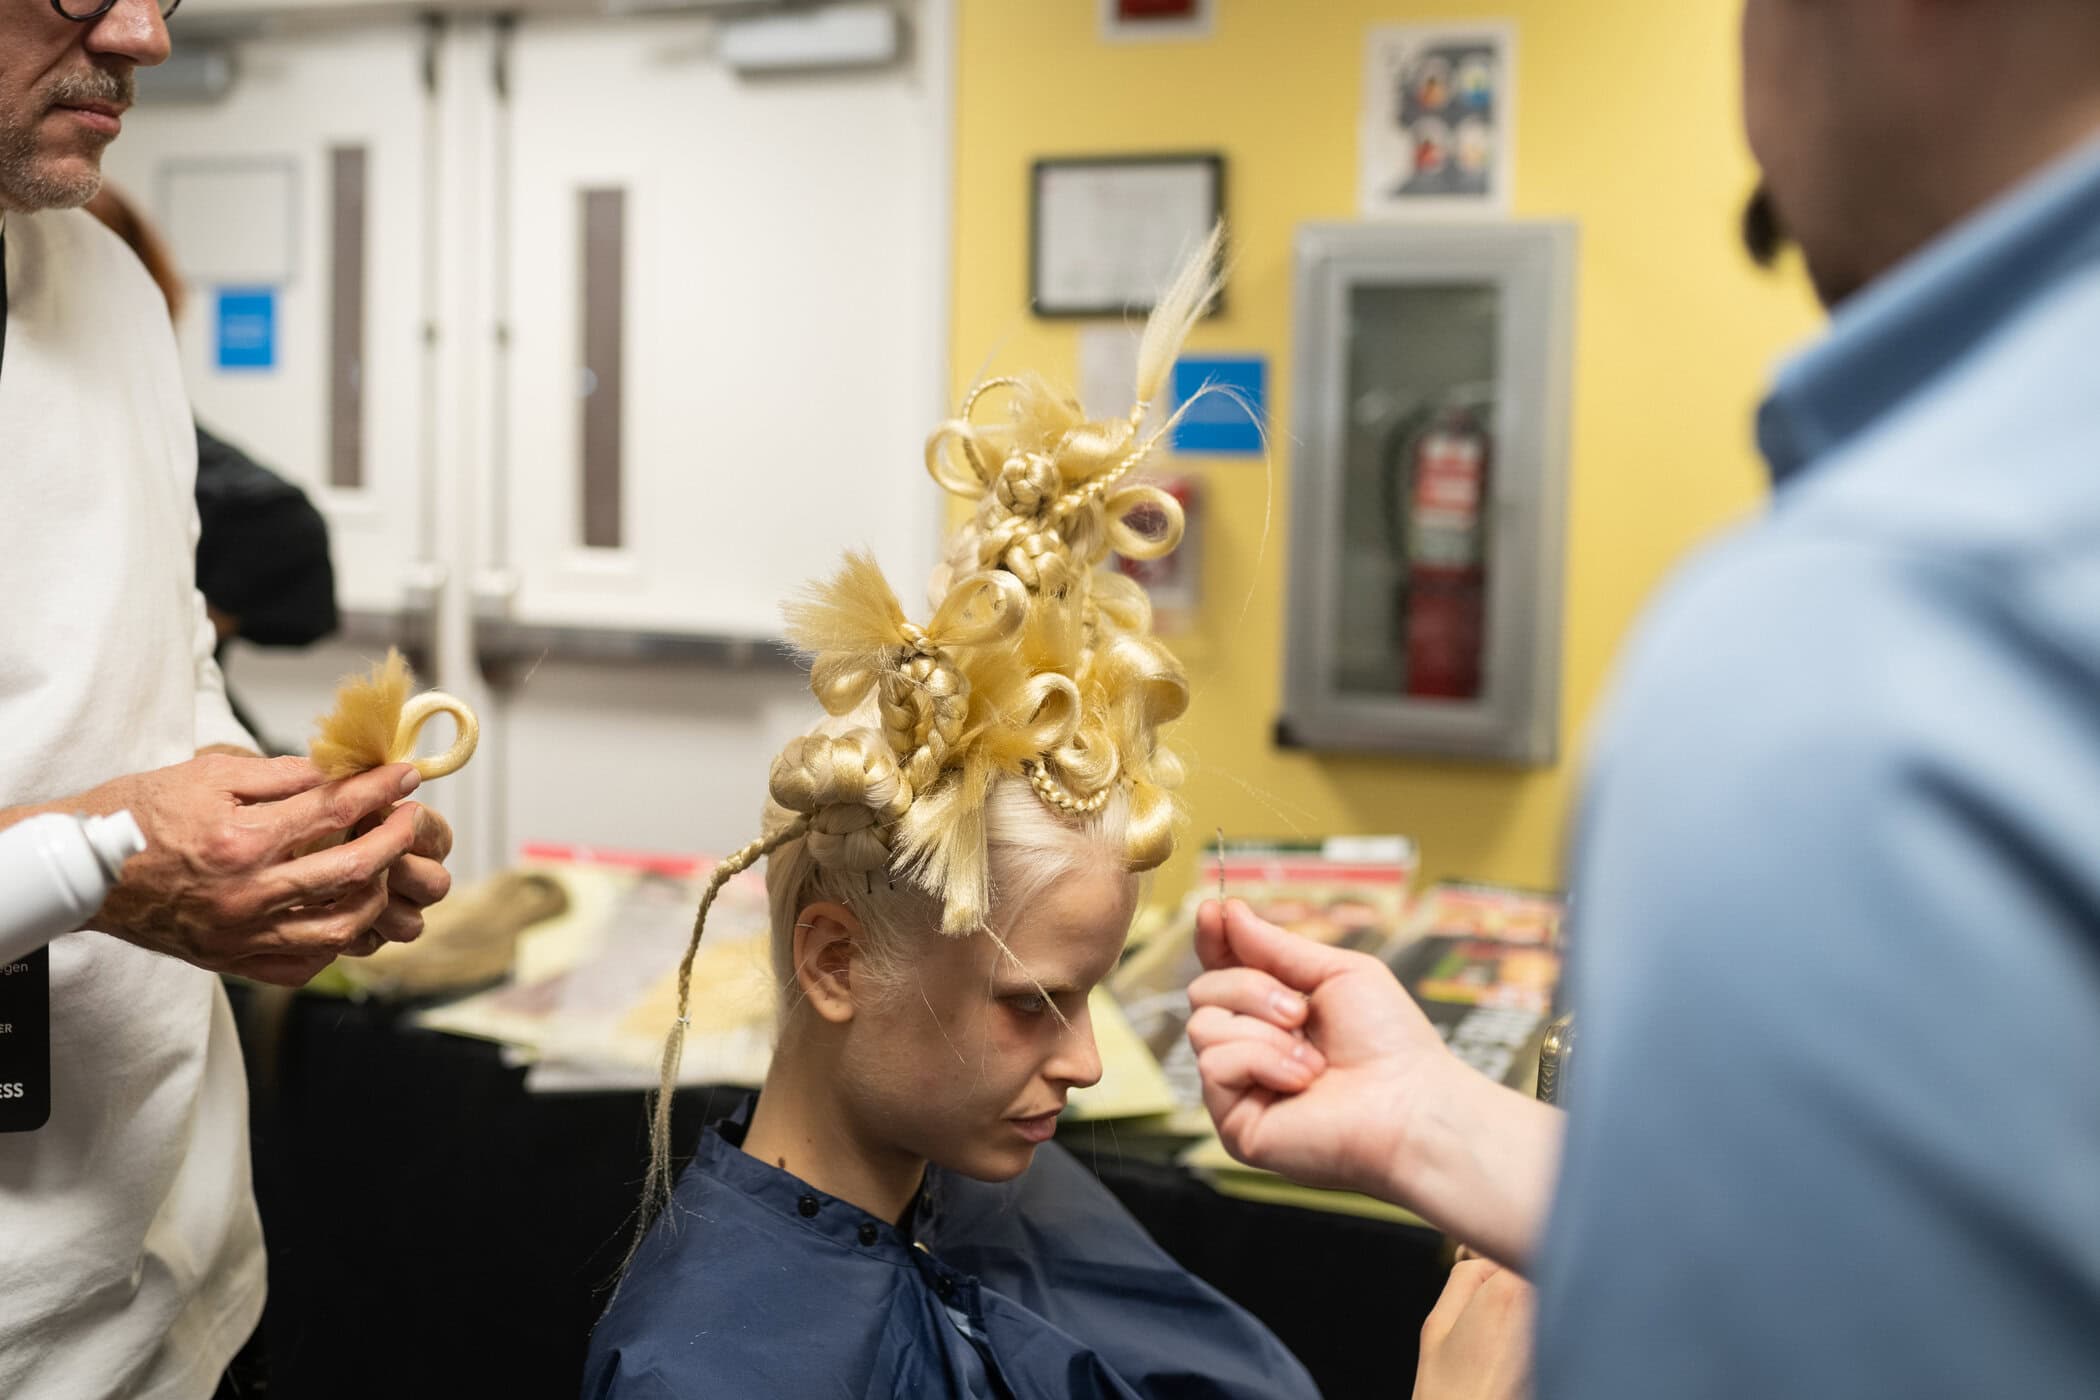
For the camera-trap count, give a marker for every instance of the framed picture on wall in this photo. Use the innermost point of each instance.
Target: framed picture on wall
(1438, 110)
(1106, 233)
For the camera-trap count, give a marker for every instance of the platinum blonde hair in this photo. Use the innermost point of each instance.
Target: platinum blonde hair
(1030, 847)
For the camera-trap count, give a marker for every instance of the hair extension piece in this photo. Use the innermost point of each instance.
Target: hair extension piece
(656, 1190)
(1194, 288)
(375, 722)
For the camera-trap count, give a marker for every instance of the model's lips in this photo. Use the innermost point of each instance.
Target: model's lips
(1040, 1127)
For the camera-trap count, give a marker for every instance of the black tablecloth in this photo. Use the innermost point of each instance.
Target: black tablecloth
(436, 1231)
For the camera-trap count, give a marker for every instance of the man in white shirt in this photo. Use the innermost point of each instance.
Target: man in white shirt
(131, 1257)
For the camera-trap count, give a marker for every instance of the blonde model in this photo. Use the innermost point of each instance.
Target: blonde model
(952, 858)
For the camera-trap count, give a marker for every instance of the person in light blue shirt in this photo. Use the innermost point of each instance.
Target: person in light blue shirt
(1835, 1101)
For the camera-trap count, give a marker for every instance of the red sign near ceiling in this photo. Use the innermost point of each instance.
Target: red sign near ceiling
(1141, 10)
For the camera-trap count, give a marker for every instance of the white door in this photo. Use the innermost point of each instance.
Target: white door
(308, 183)
(314, 182)
(727, 311)
(777, 250)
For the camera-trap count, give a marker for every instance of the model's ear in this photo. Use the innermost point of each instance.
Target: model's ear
(827, 942)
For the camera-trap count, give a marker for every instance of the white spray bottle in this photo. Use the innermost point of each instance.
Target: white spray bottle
(55, 871)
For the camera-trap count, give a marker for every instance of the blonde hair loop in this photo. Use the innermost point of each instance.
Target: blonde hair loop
(850, 792)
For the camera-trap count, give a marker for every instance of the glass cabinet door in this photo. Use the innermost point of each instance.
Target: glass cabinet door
(1431, 416)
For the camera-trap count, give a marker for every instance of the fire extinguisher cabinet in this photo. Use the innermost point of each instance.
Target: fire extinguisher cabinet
(1431, 405)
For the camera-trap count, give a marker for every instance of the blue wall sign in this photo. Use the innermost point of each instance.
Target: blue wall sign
(247, 328)
(1222, 424)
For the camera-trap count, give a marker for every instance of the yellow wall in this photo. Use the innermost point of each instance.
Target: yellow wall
(1626, 114)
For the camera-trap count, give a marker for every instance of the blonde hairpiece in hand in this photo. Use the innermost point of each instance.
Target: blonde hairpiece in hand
(375, 722)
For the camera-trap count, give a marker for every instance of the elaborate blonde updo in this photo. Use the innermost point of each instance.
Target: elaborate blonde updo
(1031, 701)
(1029, 846)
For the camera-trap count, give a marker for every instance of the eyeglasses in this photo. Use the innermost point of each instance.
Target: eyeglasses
(88, 11)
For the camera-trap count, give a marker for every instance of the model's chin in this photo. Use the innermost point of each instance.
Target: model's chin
(995, 1162)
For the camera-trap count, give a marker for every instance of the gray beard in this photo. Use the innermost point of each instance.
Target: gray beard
(24, 183)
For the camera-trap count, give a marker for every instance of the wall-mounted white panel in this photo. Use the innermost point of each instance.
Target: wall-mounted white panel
(648, 758)
(259, 249)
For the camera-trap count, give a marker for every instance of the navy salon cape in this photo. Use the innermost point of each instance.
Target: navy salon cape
(770, 1288)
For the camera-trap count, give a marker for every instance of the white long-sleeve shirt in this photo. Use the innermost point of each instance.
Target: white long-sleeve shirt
(131, 1259)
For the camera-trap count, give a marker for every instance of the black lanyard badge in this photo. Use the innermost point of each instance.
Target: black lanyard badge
(25, 1043)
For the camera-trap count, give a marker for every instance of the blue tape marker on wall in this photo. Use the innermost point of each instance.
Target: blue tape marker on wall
(1224, 425)
(247, 328)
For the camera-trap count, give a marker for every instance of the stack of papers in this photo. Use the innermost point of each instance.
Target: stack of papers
(594, 992)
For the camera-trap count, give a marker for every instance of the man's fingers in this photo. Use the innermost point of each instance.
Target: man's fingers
(1467, 1275)
(433, 835)
(1211, 948)
(368, 942)
(419, 881)
(1238, 1115)
(328, 929)
(266, 779)
(1214, 1025)
(348, 924)
(280, 969)
(1239, 1065)
(325, 876)
(1250, 993)
(1512, 1297)
(339, 806)
(399, 922)
(1467, 1278)
(1301, 964)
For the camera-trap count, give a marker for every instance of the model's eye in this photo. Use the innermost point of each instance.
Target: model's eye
(1028, 1003)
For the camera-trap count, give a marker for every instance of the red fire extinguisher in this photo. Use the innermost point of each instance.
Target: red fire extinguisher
(1444, 615)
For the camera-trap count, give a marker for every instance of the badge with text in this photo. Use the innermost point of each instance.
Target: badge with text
(25, 1043)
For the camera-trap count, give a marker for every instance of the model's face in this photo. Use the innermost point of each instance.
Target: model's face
(64, 89)
(964, 1063)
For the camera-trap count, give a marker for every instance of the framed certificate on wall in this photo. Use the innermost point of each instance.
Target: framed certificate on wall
(1107, 233)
